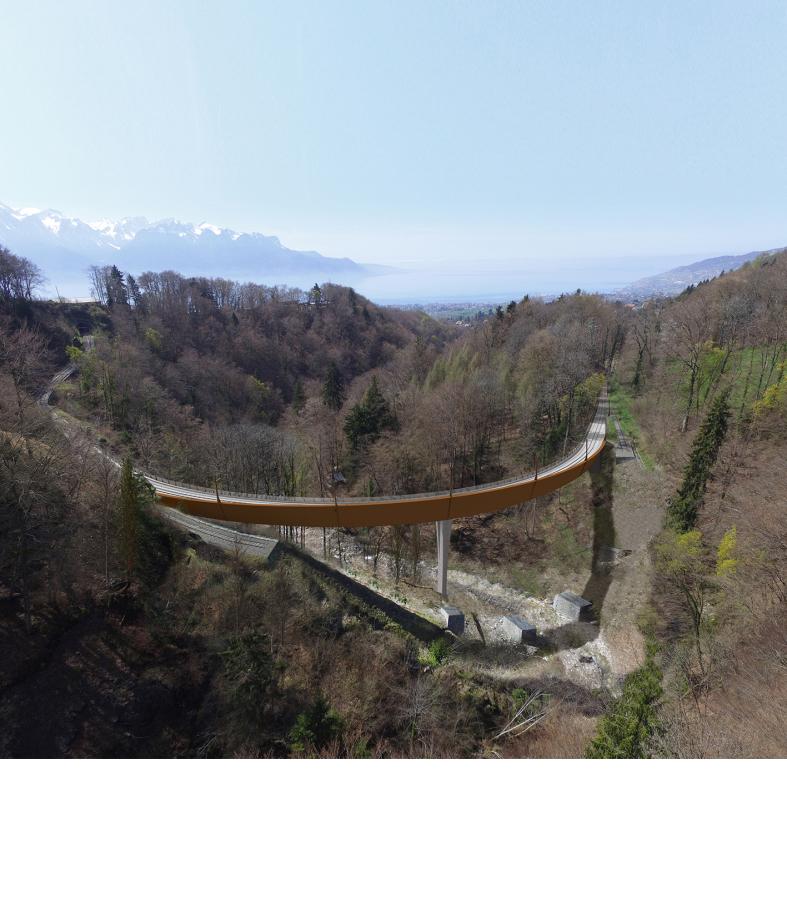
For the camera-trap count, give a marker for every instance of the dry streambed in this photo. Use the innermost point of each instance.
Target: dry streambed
(577, 653)
(593, 655)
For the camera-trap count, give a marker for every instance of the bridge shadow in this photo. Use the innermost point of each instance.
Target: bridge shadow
(602, 478)
(585, 699)
(569, 636)
(575, 634)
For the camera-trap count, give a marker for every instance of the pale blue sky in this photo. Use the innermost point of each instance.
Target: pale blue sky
(394, 131)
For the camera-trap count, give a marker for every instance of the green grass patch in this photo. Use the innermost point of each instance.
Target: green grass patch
(745, 364)
(747, 373)
(566, 550)
(528, 581)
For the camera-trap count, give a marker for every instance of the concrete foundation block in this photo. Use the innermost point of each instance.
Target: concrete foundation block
(624, 451)
(611, 555)
(453, 619)
(518, 630)
(573, 607)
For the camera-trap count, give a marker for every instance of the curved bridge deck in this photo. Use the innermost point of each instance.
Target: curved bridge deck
(407, 509)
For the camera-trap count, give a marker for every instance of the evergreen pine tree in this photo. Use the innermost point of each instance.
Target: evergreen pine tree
(369, 418)
(132, 289)
(315, 295)
(685, 507)
(116, 287)
(333, 388)
(378, 408)
(315, 727)
(142, 544)
(128, 517)
(625, 731)
(356, 425)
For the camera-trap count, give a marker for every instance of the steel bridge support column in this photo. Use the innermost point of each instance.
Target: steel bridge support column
(443, 540)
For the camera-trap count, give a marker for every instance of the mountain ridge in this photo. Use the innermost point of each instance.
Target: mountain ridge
(65, 247)
(675, 281)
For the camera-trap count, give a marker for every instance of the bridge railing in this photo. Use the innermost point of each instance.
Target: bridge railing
(598, 423)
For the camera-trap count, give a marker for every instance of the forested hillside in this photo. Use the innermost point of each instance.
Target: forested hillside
(123, 635)
(192, 374)
(173, 355)
(703, 385)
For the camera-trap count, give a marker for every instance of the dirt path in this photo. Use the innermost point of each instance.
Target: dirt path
(639, 500)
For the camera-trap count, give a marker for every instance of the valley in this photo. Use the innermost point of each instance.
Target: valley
(393, 425)
(290, 393)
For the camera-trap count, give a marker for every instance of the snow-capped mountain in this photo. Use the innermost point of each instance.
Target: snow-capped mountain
(65, 247)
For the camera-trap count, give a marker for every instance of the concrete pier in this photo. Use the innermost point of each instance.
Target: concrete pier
(443, 541)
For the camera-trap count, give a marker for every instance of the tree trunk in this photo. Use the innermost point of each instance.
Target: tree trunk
(692, 382)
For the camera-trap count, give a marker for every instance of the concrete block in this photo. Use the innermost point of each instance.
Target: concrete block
(453, 619)
(611, 555)
(624, 450)
(572, 606)
(517, 629)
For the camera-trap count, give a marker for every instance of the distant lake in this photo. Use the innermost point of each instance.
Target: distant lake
(482, 281)
(488, 281)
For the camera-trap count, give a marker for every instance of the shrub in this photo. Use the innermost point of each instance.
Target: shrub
(315, 727)
(625, 731)
(251, 675)
(519, 697)
(438, 652)
(726, 559)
